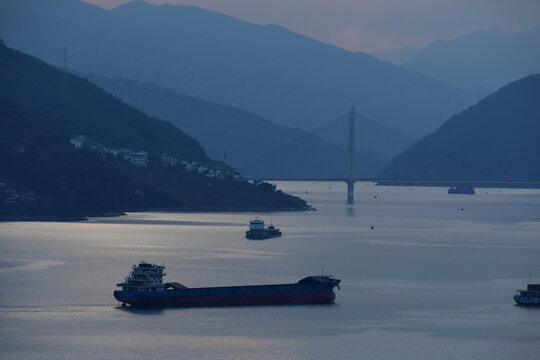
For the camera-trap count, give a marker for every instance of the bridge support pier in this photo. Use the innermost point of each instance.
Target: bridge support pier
(350, 179)
(350, 191)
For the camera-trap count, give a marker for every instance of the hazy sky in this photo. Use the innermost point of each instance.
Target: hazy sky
(369, 25)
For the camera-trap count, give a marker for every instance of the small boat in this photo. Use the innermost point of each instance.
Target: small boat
(144, 287)
(461, 189)
(257, 231)
(531, 296)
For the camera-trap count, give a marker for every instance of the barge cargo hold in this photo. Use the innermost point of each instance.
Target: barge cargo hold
(144, 287)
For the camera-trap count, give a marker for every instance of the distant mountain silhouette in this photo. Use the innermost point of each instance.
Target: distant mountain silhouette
(397, 56)
(496, 139)
(242, 135)
(44, 109)
(247, 138)
(483, 60)
(268, 70)
(310, 157)
(372, 139)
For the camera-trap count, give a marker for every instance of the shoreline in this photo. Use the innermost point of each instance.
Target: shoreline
(5, 218)
(518, 184)
(450, 183)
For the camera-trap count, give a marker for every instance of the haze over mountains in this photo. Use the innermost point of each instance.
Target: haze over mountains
(266, 99)
(268, 70)
(397, 56)
(224, 131)
(310, 158)
(371, 138)
(497, 139)
(482, 61)
(250, 142)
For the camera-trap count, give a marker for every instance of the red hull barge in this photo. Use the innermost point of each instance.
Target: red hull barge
(144, 288)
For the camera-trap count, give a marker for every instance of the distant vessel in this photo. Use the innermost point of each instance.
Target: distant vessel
(461, 189)
(257, 231)
(531, 296)
(144, 287)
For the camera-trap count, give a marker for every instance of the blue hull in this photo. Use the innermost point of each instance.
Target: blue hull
(233, 296)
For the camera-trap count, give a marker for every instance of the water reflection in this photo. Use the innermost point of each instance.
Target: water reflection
(139, 221)
(141, 310)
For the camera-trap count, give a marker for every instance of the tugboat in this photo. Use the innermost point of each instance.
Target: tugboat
(257, 231)
(144, 287)
(531, 296)
(461, 189)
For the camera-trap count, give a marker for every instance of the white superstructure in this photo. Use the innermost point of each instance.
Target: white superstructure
(144, 278)
(256, 224)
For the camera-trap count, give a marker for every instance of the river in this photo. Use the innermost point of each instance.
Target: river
(433, 279)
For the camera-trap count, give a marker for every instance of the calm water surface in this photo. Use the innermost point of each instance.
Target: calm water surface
(430, 281)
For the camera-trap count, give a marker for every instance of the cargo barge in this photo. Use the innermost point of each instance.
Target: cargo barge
(144, 287)
(531, 296)
(462, 189)
(257, 231)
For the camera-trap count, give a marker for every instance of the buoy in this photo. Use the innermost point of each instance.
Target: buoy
(461, 209)
(372, 227)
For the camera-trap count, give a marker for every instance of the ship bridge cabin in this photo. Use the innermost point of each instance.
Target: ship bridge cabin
(256, 224)
(144, 277)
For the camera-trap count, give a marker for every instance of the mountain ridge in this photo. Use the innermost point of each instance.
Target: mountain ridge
(68, 150)
(483, 60)
(371, 137)
(268, 70)
(397, 56)
(220, 128)
(497, 139)
(246, 137)
(310, 158)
